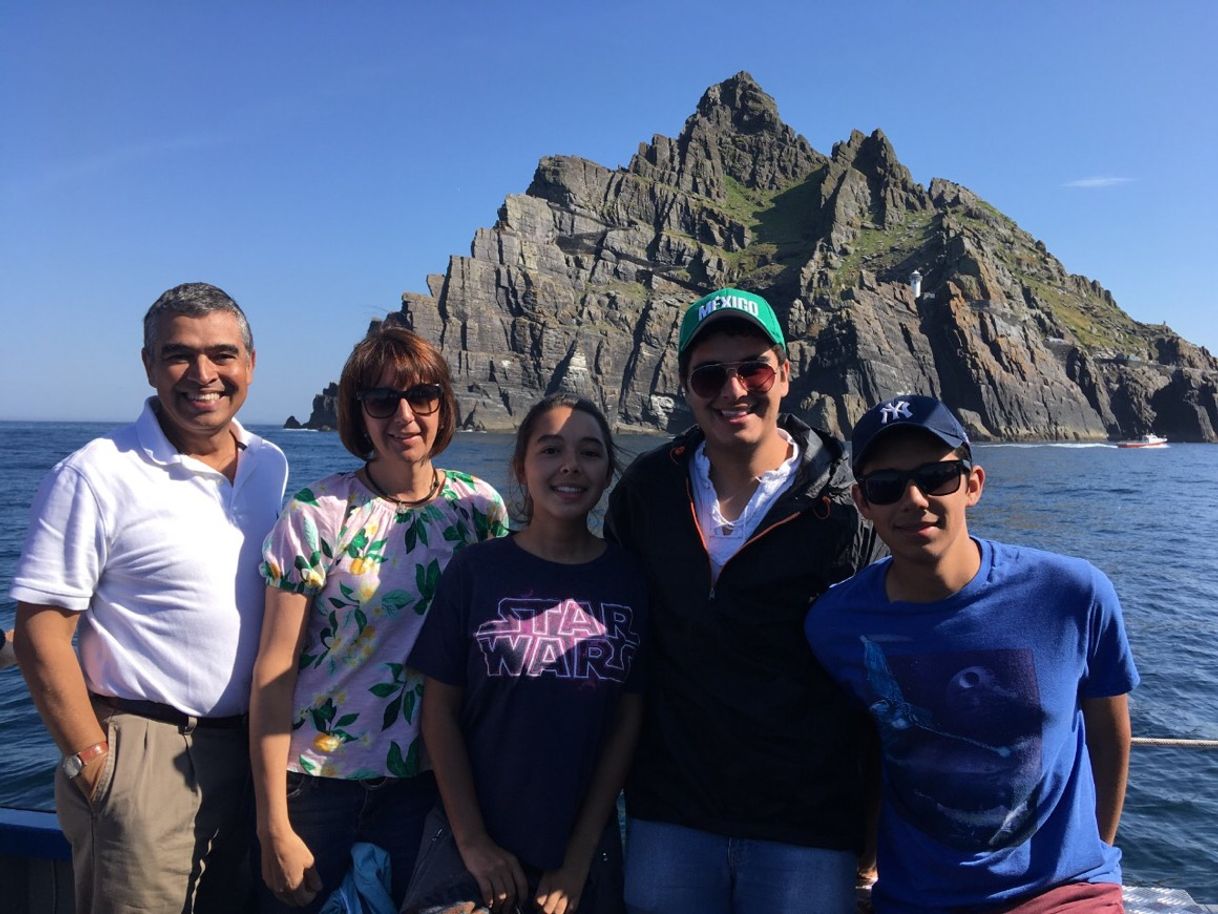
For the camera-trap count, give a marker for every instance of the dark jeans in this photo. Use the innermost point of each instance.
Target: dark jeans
(441, 882)
(671, 869)
(331, 814)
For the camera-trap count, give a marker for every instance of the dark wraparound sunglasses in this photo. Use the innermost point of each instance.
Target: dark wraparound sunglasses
(756, 376)
(382, 402)
(884, 487)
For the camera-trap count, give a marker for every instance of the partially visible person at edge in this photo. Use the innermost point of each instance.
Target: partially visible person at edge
(351, 568)
(746, 792)
(531, 708)
(8, 653)
(149, 539)
(997, 676)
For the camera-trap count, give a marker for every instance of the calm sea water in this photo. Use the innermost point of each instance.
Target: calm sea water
(1147, 518)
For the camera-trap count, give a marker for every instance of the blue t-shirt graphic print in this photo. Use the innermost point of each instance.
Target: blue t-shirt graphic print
(964, 731)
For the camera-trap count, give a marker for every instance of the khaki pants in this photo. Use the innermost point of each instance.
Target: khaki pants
(170, 823)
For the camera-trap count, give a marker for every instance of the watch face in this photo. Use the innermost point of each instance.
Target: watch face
(71, 766)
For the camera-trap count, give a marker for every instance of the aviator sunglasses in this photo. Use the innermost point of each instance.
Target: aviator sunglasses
(756, 376)
(382, 402)
(884, 487)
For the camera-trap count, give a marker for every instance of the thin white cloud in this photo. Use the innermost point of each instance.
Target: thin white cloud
(91, 165)
(1097, 181)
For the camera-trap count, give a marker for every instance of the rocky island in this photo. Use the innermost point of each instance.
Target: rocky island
(884, 286)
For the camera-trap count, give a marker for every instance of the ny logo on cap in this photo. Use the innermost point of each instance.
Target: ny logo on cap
(898, 409)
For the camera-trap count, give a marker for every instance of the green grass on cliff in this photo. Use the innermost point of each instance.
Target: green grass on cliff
(781, 223)
(1093, 321)
(744, 203)
(776, 217)
(879, 250)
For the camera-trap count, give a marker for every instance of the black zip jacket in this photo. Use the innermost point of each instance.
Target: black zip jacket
(744, 734)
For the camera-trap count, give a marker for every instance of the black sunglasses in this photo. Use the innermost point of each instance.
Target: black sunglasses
(884, 487)
(708, 380)
(382, 402)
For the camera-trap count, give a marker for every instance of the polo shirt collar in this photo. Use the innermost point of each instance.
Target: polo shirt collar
(157, 446)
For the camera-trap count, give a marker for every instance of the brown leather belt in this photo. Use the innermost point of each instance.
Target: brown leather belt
(168, 714)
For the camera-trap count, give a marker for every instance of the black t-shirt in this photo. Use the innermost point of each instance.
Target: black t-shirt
(542, 651)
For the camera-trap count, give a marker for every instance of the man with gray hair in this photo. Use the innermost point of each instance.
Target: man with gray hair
(146, 542)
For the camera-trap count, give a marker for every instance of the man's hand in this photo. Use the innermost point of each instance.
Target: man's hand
(498, 872)
(560, 890)
(288, 870)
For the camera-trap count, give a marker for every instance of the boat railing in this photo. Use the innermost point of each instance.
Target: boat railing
(1170, 741)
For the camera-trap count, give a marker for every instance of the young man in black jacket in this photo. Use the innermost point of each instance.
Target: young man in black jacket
(746, 792)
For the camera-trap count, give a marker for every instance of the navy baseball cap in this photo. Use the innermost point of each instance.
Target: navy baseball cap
(906, 411)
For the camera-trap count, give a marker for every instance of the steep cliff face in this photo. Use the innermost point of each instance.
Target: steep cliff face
(581, 282)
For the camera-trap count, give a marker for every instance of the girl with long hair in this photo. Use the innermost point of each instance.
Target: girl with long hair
(532, 700)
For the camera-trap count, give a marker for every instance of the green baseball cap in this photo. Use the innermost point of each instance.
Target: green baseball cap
(729, 303)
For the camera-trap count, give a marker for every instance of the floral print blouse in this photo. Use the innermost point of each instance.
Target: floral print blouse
(370, 569)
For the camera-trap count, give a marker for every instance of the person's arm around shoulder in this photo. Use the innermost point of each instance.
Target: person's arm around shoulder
(559, 890)
(496, 870)
(43, 643)
(1108, 740)
(287, 862)
(8, 654)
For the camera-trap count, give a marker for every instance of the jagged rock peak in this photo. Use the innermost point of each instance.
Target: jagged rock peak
(747, 106)
(735, 134)
(869, 153)
(875, 157)
(866, 185)
(946, 193)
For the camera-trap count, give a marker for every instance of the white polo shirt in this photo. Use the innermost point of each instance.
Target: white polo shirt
(160, 552)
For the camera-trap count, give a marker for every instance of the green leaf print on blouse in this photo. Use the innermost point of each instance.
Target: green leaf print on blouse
(461, 477)
(457, 533)
(352, 605)
(404, 691)
(325, 638)
(483, 528)
(395, 601)
(416, 521)
(331, 733)
(401, 767)
(308, 567)
(426, 579)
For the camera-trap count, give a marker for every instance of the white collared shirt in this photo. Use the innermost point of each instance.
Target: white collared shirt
(724, 538)
(160, 553)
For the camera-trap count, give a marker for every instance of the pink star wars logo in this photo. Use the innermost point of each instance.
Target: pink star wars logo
(564, 639)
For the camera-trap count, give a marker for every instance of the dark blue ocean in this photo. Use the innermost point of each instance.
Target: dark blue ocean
(1149, 519)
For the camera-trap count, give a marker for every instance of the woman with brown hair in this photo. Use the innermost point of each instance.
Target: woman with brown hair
(351, 568)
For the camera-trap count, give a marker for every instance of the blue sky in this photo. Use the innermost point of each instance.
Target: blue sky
(317, 159)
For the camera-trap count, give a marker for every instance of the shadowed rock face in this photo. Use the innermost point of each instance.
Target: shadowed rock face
(580, 284)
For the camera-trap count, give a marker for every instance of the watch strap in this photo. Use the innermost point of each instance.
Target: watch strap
(74, 764)
(89, 753)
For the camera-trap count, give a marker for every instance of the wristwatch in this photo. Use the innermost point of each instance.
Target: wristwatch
(72, 765)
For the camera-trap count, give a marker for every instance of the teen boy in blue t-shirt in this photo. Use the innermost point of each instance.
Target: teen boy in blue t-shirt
(997, 677)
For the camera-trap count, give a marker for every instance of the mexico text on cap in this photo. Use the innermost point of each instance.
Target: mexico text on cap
(729, 303)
